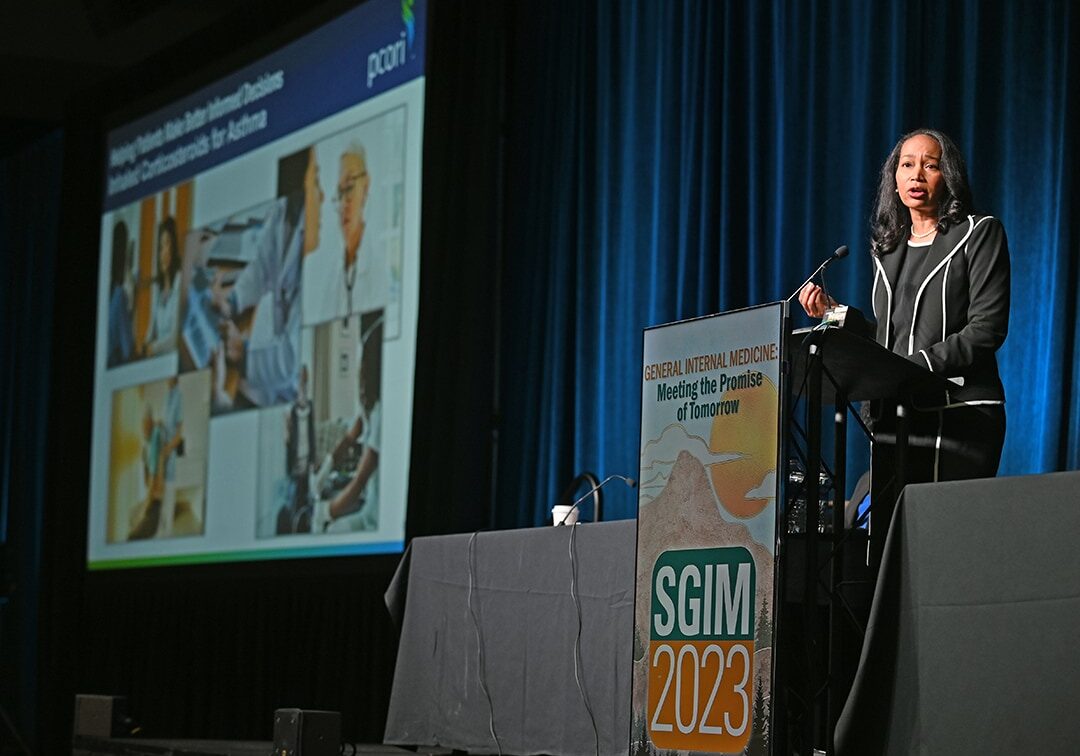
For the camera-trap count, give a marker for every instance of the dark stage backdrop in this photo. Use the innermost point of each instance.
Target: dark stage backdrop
(594, 168)
(29, 201)
(670, 160)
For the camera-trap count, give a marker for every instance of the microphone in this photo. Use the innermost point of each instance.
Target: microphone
(628, 481)
(839, 254)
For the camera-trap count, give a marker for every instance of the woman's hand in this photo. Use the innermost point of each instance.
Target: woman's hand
(814, 300)
(232, 341)
(219, 295)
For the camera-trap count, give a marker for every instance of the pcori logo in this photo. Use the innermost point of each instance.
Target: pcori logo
(385, 59)
(701, 650)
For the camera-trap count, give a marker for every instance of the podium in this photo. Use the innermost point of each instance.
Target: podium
(836, 366)
(839, 367)
(717, 433)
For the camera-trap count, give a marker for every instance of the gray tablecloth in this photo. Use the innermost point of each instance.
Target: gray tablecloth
(972, 646)
(496, 608)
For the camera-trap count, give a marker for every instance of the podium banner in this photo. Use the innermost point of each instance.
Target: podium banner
(703, 614)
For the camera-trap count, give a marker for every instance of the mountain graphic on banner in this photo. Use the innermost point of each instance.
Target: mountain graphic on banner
(685, 513)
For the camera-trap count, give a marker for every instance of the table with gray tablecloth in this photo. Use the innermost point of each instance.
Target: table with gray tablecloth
(490, 617)
(972, 646)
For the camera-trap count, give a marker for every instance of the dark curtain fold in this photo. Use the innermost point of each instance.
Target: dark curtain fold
(29, 212)
(454, 411)
(670, 160)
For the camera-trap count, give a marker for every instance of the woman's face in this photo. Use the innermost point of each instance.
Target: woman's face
(313, 199)
(165, 253)
(918, 175)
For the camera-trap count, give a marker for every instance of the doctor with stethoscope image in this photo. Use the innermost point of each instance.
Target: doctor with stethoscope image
(268, 359)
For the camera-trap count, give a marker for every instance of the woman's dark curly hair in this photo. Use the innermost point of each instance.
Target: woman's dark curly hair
(119, 254)
(891, 220)
(167, 227)
(292, 170)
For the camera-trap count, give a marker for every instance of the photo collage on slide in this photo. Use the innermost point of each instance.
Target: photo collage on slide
(274, 314)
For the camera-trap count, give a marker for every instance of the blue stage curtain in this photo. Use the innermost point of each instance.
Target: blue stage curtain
(669, 160)
(29, 216)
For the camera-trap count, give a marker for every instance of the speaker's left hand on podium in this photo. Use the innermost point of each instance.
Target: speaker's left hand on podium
(814, 301)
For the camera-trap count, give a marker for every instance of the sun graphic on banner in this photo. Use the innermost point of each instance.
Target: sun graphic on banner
(750, 432)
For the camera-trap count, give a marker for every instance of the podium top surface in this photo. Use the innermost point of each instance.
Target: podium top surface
(859, 367)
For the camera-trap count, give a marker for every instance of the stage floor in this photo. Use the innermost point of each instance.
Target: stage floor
(84, 746)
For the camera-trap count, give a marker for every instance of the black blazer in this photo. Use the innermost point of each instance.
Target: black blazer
(960, 311)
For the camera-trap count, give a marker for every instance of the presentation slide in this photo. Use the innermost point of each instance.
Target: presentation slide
(257, 307)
